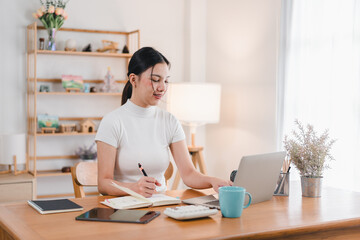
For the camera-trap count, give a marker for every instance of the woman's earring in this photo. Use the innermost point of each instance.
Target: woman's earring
(134, 83)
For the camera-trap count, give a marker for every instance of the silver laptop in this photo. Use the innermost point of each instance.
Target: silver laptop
(258, 174)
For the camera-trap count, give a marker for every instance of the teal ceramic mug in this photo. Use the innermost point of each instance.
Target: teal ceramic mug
(232, 200)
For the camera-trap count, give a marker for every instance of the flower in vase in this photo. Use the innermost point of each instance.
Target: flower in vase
(51, 9)
(59, 11)
(51, 13)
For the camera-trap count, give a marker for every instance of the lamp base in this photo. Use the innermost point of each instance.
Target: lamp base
(6, 171)
(16, 172)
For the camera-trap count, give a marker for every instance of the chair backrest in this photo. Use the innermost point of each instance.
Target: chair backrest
(86, 174)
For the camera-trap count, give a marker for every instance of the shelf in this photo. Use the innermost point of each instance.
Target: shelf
(65, 134)
(36, 139)
(80, 93)
(56, 157)
(95, 54)
(50, 173)
(92, 31)
(59, 80)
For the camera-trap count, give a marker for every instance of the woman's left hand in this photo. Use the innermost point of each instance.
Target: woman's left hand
(217, 182)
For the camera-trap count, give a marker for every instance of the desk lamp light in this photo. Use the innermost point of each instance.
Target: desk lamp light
(13, 151)
(194, 104)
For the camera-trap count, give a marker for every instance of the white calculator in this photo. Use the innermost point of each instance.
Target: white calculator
(189, 212)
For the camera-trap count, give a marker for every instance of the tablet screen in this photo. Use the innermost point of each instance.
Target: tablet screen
(113, 215)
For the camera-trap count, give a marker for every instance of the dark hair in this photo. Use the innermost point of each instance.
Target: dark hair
(142, 59)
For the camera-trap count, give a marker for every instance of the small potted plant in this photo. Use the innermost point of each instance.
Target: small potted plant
(86, 153)
(310, 154)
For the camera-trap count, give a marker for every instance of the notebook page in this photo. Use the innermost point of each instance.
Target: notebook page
(161, 198)
(131, 192)
(126, 202)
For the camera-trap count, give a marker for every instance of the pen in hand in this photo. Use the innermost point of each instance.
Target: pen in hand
(142, 170)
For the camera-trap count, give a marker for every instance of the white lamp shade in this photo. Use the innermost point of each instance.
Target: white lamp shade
(12, 145)
(195, 103)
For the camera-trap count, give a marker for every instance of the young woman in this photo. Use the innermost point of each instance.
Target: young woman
(141, 132)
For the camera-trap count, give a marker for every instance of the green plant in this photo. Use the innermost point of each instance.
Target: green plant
(308, 151)
(86, 153)
(52, 13)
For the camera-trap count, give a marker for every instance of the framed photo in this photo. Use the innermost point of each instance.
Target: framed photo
(72, 81)
(47, 121)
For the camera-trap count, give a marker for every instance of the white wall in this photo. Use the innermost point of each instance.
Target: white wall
(238, 47)
(242, 38)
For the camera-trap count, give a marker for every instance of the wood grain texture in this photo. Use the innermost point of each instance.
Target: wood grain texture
(336, 215)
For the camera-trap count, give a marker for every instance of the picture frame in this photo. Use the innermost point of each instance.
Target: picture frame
(72, 81)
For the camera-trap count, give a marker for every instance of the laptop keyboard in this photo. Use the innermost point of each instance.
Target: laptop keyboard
(213, 203)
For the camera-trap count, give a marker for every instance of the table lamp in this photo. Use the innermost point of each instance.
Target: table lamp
(13, 151)
(194, 104)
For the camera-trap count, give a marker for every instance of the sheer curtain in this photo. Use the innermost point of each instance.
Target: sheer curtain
(319, 79)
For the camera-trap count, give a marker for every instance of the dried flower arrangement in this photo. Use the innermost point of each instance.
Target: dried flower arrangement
(86, 153)
(308, 151)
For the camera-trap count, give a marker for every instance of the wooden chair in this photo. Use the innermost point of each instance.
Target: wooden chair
(86, 173)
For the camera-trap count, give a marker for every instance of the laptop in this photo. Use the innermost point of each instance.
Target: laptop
(258, 174)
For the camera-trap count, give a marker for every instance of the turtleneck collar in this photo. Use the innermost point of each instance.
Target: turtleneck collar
(139, 111)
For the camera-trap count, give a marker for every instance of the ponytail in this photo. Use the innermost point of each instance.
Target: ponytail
(127, 91)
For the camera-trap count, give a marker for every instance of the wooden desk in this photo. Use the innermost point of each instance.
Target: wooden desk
(336, 213)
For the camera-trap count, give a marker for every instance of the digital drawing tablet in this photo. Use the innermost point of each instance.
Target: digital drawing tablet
(114, 215)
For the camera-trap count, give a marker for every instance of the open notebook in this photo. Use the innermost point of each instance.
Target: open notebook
(136, 200)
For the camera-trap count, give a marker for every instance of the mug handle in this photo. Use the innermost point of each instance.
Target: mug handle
(249, 200)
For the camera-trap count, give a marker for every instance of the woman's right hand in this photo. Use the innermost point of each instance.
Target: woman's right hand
(146, 186)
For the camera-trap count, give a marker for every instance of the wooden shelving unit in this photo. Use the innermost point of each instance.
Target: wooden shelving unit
(51, 173)
(79, 93)
(64, 134)
(132, 40)
(91, 54)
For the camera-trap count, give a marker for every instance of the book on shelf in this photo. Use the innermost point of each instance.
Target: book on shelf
(136, 200)
(54, 206)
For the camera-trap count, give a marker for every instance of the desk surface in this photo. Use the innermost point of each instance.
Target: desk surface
(336, 212)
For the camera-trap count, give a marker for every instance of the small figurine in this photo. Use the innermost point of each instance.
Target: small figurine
(41, 43)
(87, 126)
(93, 90)
(70, 45)
(86, 88)
(44, 88)
(87, 48)
(125, 49)
(109, 83)
(110, 46)
(66, 169)
(67, 128)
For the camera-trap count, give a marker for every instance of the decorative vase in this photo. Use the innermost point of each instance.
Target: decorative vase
(51, 45)
(88, 156)
(311, 186)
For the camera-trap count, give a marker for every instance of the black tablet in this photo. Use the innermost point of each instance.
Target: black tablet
(113, 215)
